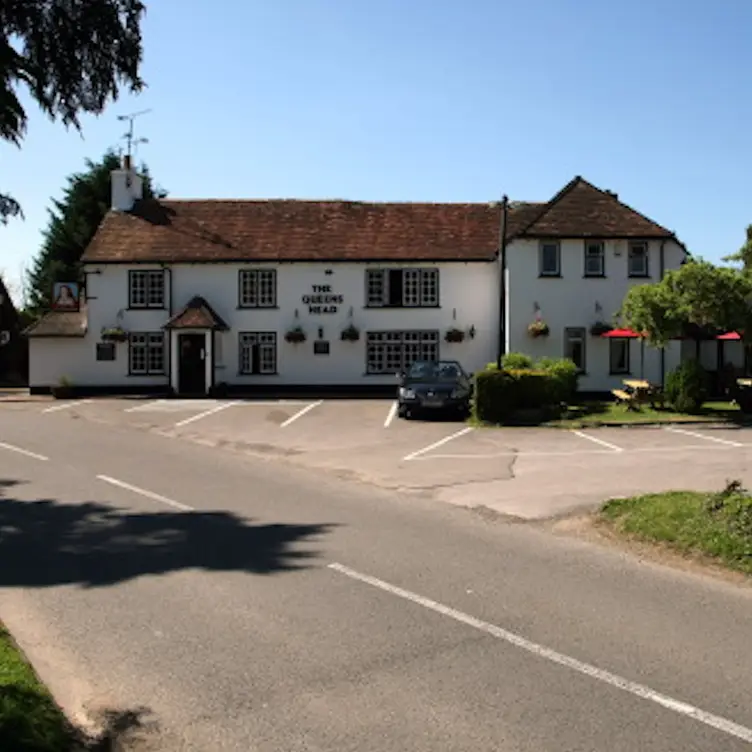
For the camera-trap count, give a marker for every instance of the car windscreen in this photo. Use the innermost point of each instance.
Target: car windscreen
(434, 372)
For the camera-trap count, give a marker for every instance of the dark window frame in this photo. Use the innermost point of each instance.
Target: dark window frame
(581, 334)
(542, 272)
(147, 274)
(626, 343)
(108, 347)
(256, 271)
(420, 339)
(601, 255)
(385, 271)
(641, 245)
(148, 345)
(256, 362)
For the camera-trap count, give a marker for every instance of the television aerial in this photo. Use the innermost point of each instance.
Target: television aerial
(128, 136)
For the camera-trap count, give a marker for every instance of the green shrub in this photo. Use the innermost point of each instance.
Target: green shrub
(687, 387)
(563, 375)
(516, 361)
(501, 393)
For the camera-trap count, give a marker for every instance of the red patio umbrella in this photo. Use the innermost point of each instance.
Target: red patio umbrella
(729, 336)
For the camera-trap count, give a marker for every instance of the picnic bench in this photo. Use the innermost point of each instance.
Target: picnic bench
(637, 392)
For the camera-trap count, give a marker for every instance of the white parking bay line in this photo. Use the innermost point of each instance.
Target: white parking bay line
(66, 405)
(301, 413)
(25, 452)
(144, 406)
(143, 492)
(614, 680)
(438, 443)
(204, 414)
(390, 415)
(696, 435)
(606, 444)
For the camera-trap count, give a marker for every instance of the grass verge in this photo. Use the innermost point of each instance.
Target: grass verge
(30, 721)
(715, 525)
(603, 413)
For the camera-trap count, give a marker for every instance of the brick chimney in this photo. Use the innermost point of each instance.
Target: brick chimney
(127, 186)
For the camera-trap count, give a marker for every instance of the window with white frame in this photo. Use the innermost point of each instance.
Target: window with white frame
(146, 288)
(402, 288)
(394, 351)
(146, 354)
(574, 346)
(550, 259)
(595, 258)
(257, 288)
(638, 259)
(258, 353)
(618, 356)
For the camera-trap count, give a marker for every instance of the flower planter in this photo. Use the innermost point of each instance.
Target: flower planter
(295, 336)
(538, 329)
(351, 334)
(114, 335)
(454, 335)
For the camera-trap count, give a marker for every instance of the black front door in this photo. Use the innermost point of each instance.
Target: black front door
(191, 366)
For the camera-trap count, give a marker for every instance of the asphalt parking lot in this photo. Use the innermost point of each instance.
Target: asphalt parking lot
(525, 472)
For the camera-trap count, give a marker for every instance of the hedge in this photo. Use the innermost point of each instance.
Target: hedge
(499, 394)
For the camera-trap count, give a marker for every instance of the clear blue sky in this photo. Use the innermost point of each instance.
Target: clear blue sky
(432, 100)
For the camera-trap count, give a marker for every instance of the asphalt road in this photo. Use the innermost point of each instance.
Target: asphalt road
(247, 605)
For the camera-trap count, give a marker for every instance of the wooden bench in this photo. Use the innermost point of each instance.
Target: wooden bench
(625, 398)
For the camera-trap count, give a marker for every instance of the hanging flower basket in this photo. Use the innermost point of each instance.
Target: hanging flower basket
(114, 335)
(599, 328)
(454, 335)
(295, 336)
(538, 329)
(350, 334)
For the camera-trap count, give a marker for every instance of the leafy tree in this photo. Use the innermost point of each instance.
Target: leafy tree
(72, 57)
(73, 221)
(744, 254)
(697, 297)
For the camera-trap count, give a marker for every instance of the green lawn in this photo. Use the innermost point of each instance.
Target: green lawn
(715, 525)
(609, 413)
(29, 719)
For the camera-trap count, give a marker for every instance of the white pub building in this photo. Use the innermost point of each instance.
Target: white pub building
(184, 296)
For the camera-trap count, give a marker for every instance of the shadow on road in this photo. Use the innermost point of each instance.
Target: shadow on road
(45, 542)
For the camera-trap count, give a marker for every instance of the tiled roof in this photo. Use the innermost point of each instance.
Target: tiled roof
(290, 230)
(582, 210)
(60, 324)
(198, 314)
(172, 231)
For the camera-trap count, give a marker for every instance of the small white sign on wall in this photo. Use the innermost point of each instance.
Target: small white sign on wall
(4, 338)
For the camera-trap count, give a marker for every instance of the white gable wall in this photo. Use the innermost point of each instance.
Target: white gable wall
(573, 300)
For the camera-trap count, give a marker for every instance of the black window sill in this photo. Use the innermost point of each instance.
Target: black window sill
(549, 276)
(257, 308)
(241, 374)
(400, 307)
(146, 308)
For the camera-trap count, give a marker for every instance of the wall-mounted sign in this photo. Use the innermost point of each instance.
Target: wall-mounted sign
(322, 300)
(65, 296)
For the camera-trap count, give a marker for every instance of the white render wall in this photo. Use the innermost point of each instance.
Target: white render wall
(469, 295)
(573, 300)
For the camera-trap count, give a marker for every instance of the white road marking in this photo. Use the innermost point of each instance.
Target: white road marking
(438, 443)
(301, 413)
(143, 492)
(204, 414)
(25, 452)
(66, 405)
(144, 406)
(606, 444)
(390, 415)
(702, 436)
(639, 690)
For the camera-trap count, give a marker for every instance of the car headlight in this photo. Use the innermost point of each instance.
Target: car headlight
(406, 393)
